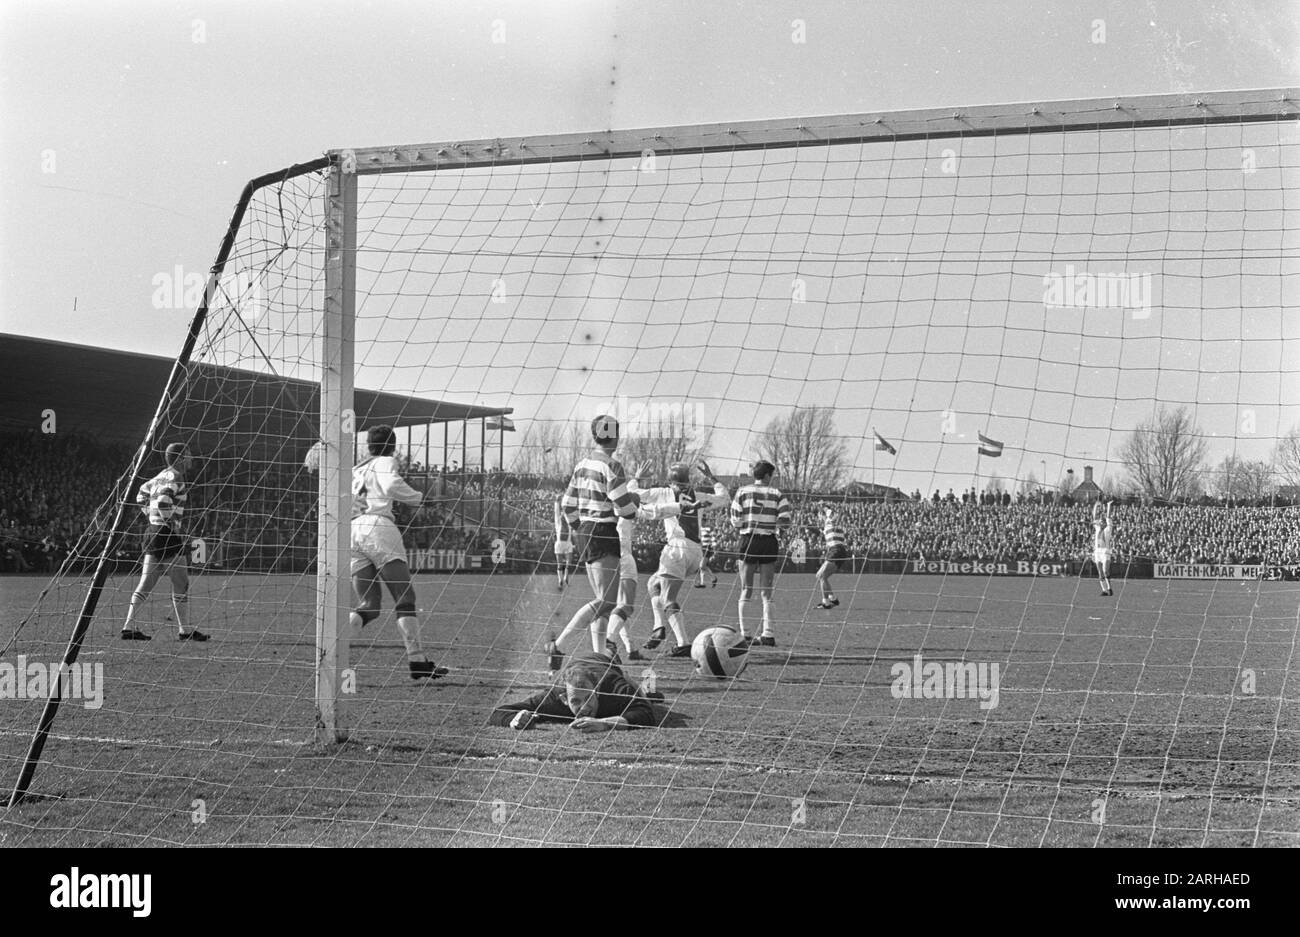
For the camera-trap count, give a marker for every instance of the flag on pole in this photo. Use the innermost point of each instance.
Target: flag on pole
(882, 445)
(505, 424)
(990, 447)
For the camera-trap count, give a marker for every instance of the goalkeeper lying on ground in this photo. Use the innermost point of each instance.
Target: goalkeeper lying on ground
(590, 692)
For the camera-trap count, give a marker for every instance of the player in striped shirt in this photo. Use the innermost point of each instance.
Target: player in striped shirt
(709, 541)
(679, 504)
(378, 554)
(757, 512)
(563, 547)
(166, 550)
(596, 498)
(837, 550)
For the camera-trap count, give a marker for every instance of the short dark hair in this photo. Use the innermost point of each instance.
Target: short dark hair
(604, 429)
(174, 453)
(381, 440)
(762, 469)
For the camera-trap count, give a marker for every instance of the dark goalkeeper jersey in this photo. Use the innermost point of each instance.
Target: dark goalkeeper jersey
(615, 694)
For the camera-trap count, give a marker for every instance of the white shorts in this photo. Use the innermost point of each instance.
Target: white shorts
(680, 559)
(627, 564)
(376, 542)
(1101, 557)
(564, 548)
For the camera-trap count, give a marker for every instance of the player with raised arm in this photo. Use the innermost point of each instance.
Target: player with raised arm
(597, 496)
(1102, 538)
(757, 512)
(837, 550)
(682, 556)
(166, 549)
(378, 554)
(563, 547)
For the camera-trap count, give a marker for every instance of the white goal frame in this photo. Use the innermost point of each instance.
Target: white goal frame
(334, 509)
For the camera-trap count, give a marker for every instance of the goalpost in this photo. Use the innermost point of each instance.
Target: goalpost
(900, 270)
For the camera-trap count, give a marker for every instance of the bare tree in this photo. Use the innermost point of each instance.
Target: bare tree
(550, 449)
(1286, 457)
(1165, 456)
(663, 442)
(808, 453)
(1239, 479)
(1028, 486)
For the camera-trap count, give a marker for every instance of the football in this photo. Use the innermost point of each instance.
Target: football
(719, 652)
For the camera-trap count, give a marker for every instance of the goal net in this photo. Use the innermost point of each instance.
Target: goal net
(956, 331)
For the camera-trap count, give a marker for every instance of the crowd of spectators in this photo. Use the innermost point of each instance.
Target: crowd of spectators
(1039, 529)
(263, 516)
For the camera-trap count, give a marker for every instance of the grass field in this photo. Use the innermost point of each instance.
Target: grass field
(1120, 722)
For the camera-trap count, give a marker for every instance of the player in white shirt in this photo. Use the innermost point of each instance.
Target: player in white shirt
(563, 547)
(1102, 538)
(378, 553)
(682, 556)
(166, 549)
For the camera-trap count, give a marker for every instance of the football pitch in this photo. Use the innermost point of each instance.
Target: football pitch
(1168, 715)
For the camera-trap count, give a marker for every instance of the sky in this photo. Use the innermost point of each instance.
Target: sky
(131, 127)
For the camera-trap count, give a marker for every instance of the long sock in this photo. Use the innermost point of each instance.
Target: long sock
(740, 612)
(767, 616)
(409, 626)
(678, 621)
(657, 609)
(581, 619)
(181, 605)
(137, 599)
(622, 631)
(616, 623)
(598, 634)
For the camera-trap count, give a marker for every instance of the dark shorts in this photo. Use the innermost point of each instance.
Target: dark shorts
(163, 543)
(757, 548)
(837, 554)
(591, 542)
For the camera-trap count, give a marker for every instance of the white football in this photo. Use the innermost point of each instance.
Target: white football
(719, 652)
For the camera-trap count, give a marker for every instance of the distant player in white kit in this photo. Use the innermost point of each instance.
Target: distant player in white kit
(378, 553)
(563, 547)
(1102, 538)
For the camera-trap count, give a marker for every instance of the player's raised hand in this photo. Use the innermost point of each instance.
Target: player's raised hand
(705, 470)
(643, 469)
